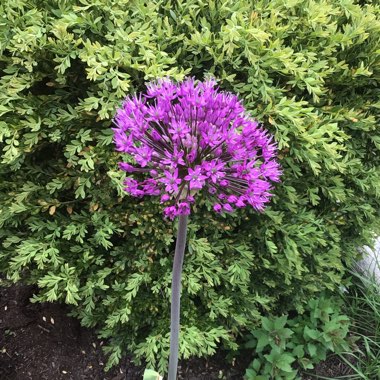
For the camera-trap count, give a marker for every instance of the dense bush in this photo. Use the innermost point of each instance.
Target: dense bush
(308, 69)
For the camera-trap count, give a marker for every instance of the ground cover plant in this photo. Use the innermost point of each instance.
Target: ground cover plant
(284, 346)
(308, 69)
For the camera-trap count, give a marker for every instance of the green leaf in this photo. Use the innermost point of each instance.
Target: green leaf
(311, 333)
(149, 374)
(267, 323)
(280, 322)
(312, 349)
(284, 362)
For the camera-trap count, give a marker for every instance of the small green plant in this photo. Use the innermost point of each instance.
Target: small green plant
(283, 345)
(9, 333)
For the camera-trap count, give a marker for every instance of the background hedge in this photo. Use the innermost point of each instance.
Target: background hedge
(308, 69)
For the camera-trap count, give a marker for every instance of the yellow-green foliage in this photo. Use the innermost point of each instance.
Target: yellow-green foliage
(308, 69)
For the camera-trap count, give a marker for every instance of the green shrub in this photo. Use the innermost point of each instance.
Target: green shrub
(308, 69)
(281, 346)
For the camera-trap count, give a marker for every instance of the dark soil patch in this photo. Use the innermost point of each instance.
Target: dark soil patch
(40, 342)
(332, 368)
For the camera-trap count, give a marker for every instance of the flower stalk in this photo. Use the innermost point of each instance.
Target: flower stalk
(176, 296)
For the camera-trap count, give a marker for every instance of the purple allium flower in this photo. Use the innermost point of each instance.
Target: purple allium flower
(190, 137)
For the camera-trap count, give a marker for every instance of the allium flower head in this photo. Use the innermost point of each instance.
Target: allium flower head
(190, 138)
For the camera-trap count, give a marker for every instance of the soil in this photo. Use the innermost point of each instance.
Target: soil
(40, 342)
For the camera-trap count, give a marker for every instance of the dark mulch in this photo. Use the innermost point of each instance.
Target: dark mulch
(40, 342)
(332, 368)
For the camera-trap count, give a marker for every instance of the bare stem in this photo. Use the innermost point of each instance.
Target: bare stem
(176, 295)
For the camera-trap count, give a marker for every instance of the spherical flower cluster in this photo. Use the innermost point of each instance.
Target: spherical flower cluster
(189, 138)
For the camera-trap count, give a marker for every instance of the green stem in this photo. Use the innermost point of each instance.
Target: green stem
(176, 295)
